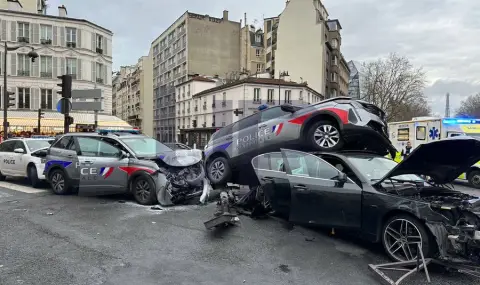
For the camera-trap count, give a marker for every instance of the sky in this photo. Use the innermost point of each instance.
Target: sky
(442, 36)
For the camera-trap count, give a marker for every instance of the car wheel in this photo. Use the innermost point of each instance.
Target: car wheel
(33, 176)
(325, 136)
(474, 178)
(218, 171)
(59, 182)
(400, 238)
(144, 191)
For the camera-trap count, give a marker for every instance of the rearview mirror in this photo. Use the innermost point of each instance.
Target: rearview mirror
(18, 150)
(288, 108)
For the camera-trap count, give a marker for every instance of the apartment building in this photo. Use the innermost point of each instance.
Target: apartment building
(270, 43)
(337, 72)
(133, 95)
(354, 81)
(193, 44)
(64, 45)
(30, 6)
(252, 50)
(212, 105)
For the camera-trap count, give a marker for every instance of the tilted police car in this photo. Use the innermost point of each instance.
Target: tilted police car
(117, 162)
(329, 125)
(24, 157)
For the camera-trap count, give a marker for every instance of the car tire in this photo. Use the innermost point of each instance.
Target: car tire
(2, 177)
(218, 171)
(32, 176)
(474, 178)
(326, 129)
(143, 190)
(394, 244)
(59, 182)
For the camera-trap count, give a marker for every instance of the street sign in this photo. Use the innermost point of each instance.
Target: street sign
(86, 106)
(62, 104)
(87, 94)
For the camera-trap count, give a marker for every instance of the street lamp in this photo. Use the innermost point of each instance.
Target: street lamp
(6, 97)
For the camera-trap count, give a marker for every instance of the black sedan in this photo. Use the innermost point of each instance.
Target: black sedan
(379, 199)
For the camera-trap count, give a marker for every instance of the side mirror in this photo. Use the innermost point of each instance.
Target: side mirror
(288, 108)
(18, 150)
(342, 177)
(124, 154)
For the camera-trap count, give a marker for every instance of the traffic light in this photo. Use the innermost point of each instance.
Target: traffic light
(40, 114)
(69, 120)
(237, 112)
(11, 97)
(66, 85)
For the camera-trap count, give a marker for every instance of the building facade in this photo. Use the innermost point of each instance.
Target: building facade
(193, 44)
(213, 104)
(270, 26)
(337, 71)
(65, 46)
(252, 50)
(132, 95)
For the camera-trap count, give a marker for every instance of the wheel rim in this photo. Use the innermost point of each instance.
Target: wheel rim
(217, 170)
(476, 179)
(58, 182)
(401, 238)
(142, 189)
(326, 136)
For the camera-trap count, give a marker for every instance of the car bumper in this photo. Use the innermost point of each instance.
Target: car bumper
(367, 138)
(40, 170)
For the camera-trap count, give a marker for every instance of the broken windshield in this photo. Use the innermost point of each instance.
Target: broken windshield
(375, 168)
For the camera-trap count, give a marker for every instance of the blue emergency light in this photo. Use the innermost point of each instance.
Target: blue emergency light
(135, 132)
(454, 121)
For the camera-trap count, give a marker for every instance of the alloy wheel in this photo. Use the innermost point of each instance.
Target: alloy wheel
(326, 136)
(476, 180)
(217, 170)
(142, 189)
(401, 239)
(58, 182)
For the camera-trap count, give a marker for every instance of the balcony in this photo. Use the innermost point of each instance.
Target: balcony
(172, 65)
(224, 103)
(23, 40)
(181, 32)
(99, 80)
(170, 40)
(23, 72)
(71, 44)
(46, 74)
(99, 50)
(213, 105)
(46, 41)
(182, 59)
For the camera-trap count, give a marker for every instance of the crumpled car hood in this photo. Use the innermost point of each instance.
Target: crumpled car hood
(184, 157)
(443, 160)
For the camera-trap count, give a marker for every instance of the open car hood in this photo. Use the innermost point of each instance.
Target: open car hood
(443, 160)
(184, 157)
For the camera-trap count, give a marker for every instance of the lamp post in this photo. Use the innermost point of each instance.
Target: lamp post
(6, 97)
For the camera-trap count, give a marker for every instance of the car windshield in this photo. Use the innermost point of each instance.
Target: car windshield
(375, 168)
(145, 146)
(34, 145)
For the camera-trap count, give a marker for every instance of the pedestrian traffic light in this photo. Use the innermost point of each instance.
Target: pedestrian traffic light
(11, 97)
(66, 85)
(238, 112)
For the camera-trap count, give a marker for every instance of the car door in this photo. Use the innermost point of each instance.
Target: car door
(6, 151)
(271, 128)
(19, 167)
(99, 167)
(317, 195)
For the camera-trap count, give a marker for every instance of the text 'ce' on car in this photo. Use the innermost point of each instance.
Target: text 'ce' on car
(379, 199)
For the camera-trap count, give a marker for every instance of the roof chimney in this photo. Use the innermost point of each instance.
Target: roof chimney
(225, 15)
(62, 11)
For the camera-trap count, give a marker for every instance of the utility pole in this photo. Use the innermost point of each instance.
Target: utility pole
(447, 106)
(40, 117)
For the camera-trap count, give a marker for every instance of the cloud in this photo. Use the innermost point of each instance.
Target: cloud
(440, 35)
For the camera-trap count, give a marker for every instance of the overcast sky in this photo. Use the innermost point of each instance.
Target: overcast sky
(443, 36)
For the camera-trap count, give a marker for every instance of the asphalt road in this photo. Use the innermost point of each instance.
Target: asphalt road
(48, 239)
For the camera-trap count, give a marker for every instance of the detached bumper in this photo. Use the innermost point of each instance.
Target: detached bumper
(367, 138)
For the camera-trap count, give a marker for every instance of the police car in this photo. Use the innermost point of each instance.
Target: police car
(24, 157)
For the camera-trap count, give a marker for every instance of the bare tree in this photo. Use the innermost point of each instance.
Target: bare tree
(470, 107)
(396, 86)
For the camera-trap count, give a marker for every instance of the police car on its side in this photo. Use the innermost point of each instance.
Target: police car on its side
(24, 157)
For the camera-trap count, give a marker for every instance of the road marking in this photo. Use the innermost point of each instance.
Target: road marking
(21, 188)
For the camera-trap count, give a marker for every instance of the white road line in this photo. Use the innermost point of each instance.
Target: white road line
(21, 188)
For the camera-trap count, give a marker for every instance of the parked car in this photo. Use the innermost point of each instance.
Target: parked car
(330, 125)
(380, 200)
(24, 157)
(121, 162)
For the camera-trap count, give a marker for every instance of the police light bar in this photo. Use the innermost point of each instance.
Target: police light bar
(136, 132)
(460, 121)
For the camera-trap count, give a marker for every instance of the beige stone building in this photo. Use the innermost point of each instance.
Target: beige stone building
(29, 6)
(337, 72)
(252, 56)
(193, 44)
(132, 95)
(270, 26)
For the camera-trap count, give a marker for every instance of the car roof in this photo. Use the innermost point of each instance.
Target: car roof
(110, 135)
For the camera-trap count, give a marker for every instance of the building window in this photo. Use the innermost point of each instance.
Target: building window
(24, 63)
(71, 37)
(259, 67)
(334, 60)
(23, 32)
(72, 67)
(23, 98)
(288, 94)
(258, 38)
(99, 72)
(301, 96)
(269, 26)
(99, 43)
(334, 76)
(45, 34)
(334, 43)
(270, 93)
(256, 95)
(46, 99)
(46, 66)
(257, 52)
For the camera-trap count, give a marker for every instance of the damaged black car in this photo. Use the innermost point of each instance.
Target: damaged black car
(406, 206)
